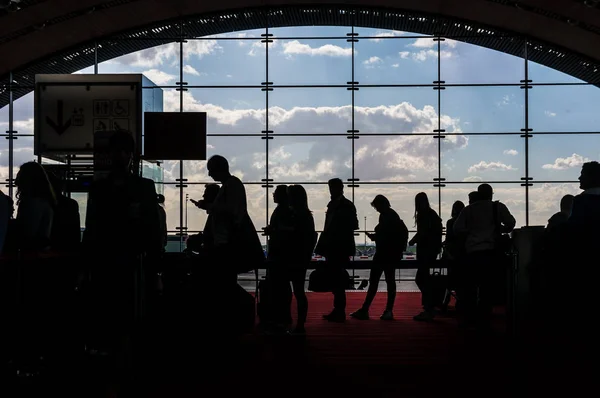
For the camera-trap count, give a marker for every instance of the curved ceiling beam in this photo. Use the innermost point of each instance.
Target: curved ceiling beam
(111, 17)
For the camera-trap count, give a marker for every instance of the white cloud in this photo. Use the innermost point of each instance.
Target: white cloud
(550, 114)
(393, 33)
(189, 69)
(229, 76)
(511, 152)
(158, 76)
(377, 158)
(574, 160)
(425, 42)
(395, 65)
(294, 47)
(371, 62)
(472, 179)
(426, 54)
(404, 54)
(490, 166)
(159, 55)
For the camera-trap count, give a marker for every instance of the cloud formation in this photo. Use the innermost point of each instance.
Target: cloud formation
(294, 47)
(511, 152)
(490, 166)
(574, 160)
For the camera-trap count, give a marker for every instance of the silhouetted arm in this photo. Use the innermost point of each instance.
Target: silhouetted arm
(507, 219)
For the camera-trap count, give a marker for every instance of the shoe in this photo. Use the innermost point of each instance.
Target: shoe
(360, 314)
(387, 316)
(424, 316)
(335, 316)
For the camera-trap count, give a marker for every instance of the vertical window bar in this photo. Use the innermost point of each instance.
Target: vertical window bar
(267, 132)
(180, 84)
(10, 136)
(439, 122)
(527, 135)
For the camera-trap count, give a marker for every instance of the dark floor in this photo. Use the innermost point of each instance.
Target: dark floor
(373, 358)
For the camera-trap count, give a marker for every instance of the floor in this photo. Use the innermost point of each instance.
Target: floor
(400, 358)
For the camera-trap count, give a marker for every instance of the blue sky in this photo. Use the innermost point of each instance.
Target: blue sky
(390, 58)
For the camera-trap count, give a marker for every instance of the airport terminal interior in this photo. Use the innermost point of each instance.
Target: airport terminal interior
(417, 115)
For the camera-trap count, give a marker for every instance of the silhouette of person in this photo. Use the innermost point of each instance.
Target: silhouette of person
(163, 219)
(204, 242)
(391, 236)
(122, 228)
(429, 244)
(303, 240)
(454, 251)
(66, 224)
(337, 245)
(276, 315)
(473, 197)
(6, 205)
(481, 223)
(36, 201)
(235, 236)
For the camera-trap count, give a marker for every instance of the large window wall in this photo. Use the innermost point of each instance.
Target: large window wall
(389, 112)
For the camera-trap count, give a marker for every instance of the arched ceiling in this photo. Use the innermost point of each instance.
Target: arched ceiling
(58, 36)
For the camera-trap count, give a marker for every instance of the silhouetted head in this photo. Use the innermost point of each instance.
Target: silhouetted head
(566, 204)
(122, 147)
(218, 168)
(485, 192)
(380, 203)
(473, 197)
(210, 192)
(336, 188)
(590, 175)
(457, 207)
(421, 204)
(280, 195)
(297, 197)
(32, 182)
(160, 199)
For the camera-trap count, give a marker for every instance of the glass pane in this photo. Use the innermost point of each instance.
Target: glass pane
(159, 63)
(310, 111)
(301, 32)
(229, 111)
(560, 157)
(224, 62)
(544, 200)
(564, 108)
(398, 110)
(476, 158)
(171, 170)
(81, 199)
(395, 60)
(246, 157)
(485, 109)
(309, 61)
(465, 63)
(512, 195)
(23, 152)
(4, 161)
(539, 73)
(309, 158)
(400, 158)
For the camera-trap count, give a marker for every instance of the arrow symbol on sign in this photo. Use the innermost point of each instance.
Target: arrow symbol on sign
(58, 126)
